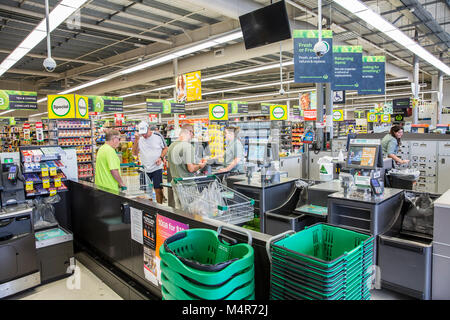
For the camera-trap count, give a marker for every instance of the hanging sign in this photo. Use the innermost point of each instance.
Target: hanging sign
(176, 107)
(387, 108)
(385, 118)
(310, 115)
(398, 117)
(153, 117)
(347, 67)
(61, 106)
(278, 112)
(372, 117)
(236, 107)
(296, 111)
(338, 115)
(118, 119)
(26, 132)
(359, 114)
(189, 87)
(339, 97)
(373, 75)
(155, 106)
(105, 104)
(82, 109)
(308, 67)
(218, 112)
(265, 108)
(308, 100)
(25, 100)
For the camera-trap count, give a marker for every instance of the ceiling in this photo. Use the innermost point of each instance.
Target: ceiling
(107, 36)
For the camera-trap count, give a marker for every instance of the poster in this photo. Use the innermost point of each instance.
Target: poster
(105, 104)
(373, 75)
(308, 100)
(149, 234)
(308, 67)
(10, 99)
(310, 115)
(189, 87)
(347, 67)
(136, 225)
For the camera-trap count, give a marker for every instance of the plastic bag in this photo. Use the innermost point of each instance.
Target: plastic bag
(419, 216)
(44, 211)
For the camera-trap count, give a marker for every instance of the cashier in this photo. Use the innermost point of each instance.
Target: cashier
(234, 152)
(391, 142)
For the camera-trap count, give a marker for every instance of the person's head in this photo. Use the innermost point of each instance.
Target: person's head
(231, 133)
(180, 82)
(397, 132)
(112, 138)
(144, 129)
(187, 132)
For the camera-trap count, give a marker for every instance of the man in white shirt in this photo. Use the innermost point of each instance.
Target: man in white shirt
(151, 148)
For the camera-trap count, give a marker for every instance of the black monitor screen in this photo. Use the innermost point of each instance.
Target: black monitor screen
(266, 25)
(362, 156)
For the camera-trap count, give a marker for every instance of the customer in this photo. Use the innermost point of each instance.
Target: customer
(181, 155)
(391, 142)
(234, 152)
(107, 165)
(151, 148)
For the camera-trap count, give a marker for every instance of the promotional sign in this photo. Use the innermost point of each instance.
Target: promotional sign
(105, 104)
(118, 119)
(398, 117)
(347, 67)
(151, 262)
(310, 115)
(236, 107)
(385, 118)
(189, 86)
(402, 103)
(372, 117)
(308, 100)
(153, 117)
(25, 100)
(339, 97)
(373, 75)
(265, 108)
(278, 112)
(39, 132)
(26, 132)
(387, 108)
(61, 106)
(81, 104)
(338, 115)
(308, 66)
(218, 112)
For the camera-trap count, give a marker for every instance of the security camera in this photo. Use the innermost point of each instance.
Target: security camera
(49, 64)
(321, 48)
(282, 91)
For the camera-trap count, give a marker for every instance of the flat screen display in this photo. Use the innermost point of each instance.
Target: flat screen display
(266, 25)
(256, 152)
(362, 156)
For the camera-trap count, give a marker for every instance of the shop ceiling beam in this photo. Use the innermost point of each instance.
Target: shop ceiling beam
(32, 55)
(88, 26)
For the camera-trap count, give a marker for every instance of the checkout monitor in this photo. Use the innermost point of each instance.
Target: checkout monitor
(364, 156)
(262, 152)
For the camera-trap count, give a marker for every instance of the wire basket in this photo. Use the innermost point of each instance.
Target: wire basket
(206, 196)
(136, 180)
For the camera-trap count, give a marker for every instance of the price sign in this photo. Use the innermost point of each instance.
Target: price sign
(53, 171)
(372, 117)
(29, 186)
(57, 182)
(44, 172)
(386, 118)
(46, 183)
(52, 192)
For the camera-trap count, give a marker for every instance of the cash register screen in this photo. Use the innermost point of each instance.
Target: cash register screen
(256, 152)
(362, 156)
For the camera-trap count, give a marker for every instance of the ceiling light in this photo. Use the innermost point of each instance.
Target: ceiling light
(5, 112)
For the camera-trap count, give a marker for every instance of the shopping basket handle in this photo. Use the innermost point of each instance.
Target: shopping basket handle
(273, 239)
(249, 236)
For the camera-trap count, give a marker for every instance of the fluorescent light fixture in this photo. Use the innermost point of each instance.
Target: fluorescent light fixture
(8, 111)
(57, 16)
(84, 85)
(42, 100)
(247, 87)
(38, 114)
(363, 12)
(397, 80)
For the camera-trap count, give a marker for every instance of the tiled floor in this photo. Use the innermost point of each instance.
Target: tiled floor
(84, 285)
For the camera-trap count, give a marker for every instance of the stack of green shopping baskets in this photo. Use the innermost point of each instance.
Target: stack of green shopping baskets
(322, 262)
(202, 264)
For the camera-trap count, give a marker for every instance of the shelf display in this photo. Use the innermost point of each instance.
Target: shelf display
(298, 130)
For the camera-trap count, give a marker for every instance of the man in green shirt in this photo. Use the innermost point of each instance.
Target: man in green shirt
(107, 165)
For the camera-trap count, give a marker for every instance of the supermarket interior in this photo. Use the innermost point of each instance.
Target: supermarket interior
(224, 150)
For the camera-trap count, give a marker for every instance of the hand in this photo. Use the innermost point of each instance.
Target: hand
(405, 161)
(158, 162)
(136, 136)
(202, 164)
(223, 170)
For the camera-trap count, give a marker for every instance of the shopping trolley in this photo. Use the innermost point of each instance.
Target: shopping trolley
(206, 196)
(136, 180)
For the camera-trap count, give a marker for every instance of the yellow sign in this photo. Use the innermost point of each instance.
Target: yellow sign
(46, 183)
(385, 117)
(218, 111)
(61, 106)
(57, 182)
(29, 185)
(52, 192)
(44, 172)
(372, 117)
(82, 109)
(52, 171)
(338, 115)
(194, 86)
(278, 112)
